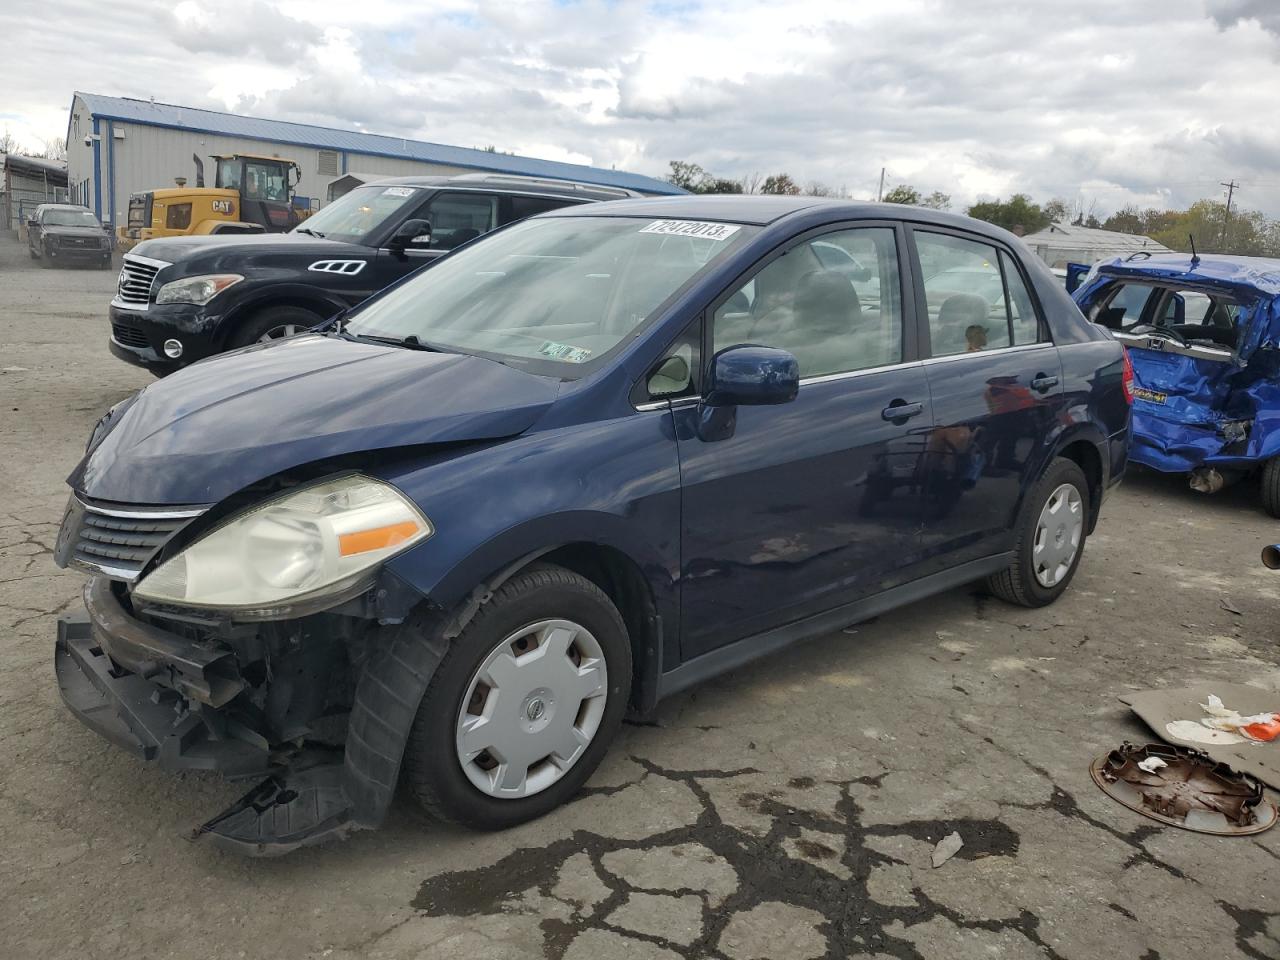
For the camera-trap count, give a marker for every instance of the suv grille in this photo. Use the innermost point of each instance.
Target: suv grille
(117, 541)
(136, 279)
(128, 335)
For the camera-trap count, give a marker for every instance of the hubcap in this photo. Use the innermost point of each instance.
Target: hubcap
(282, 331)
(1058, 533)
(531, 709)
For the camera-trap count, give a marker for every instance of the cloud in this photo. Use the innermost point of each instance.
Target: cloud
(1105, 105)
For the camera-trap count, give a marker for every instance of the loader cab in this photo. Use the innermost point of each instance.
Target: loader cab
(265, 185)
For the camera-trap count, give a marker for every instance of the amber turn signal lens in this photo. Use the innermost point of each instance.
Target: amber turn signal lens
(379, 538)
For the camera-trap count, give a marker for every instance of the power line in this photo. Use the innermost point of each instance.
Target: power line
(1231, 186)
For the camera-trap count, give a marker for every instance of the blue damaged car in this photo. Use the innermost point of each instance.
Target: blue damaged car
(568, 470)
(1204, 337)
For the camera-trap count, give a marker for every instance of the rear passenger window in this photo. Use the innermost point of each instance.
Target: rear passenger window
(1024, 322)
(834, 302)
(965, 295)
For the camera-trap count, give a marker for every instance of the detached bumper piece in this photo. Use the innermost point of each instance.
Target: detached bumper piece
(181, 702)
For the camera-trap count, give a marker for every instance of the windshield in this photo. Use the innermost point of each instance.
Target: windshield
(550, 295)
(70, 218)
(355, 215)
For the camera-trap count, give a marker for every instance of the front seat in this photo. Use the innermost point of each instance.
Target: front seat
(825, 316)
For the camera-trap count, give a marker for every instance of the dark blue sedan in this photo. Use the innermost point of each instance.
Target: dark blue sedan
(572, 468)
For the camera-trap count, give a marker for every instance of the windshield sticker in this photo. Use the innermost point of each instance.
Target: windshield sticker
(565, 352)
(398, 192)
(693, 228)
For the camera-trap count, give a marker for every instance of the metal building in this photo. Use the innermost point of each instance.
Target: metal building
(1061, 243)
(27, 182)
(117, 146)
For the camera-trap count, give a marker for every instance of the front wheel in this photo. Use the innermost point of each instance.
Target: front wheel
(524, 705)
(1052, 527)
(275, 323)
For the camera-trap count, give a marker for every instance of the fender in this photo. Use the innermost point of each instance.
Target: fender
(325, 304)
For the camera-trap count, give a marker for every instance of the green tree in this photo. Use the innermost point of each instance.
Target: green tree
(780, 183)
(719, 185)
(686, 175)
(1125, 220)
(1056, 210)
(937, 201)
(903, 193)
(1016, 213)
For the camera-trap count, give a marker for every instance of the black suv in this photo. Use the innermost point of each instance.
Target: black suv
(66, 233)
(181, 299)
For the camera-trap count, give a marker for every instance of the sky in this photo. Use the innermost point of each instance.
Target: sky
(1102, 104)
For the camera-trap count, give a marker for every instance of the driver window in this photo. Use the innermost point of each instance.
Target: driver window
(458, 217)
(834, 302)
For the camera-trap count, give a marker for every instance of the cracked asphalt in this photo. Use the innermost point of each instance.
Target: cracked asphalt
(787, 810)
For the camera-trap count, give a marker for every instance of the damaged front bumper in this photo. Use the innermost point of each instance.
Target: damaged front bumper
(195, 702)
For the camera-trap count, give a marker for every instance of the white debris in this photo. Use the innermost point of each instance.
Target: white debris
(1193, 731)
(1151, 764)
(947, 848)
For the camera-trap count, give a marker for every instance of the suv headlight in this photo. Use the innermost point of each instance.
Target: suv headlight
(315, 543)
(196, 289)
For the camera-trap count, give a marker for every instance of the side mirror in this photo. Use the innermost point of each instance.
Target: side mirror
(752, 375)
(410, 232)
(32, 222)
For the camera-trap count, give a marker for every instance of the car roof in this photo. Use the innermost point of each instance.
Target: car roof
(508, 183)
(763, 209)
(63, 206)
(1259, 273)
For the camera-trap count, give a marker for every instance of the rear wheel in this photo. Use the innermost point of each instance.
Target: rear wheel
(1271, 486)
(275, 323)
(1052, 528)
(524, 705)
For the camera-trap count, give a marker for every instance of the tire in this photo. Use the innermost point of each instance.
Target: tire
(45, 260)
(1019, 583)
(1271, 486)
(264, 322)
(32, 252)
(433, 764)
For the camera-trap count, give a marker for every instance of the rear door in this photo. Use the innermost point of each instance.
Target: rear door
(995, 379)
(809, 504)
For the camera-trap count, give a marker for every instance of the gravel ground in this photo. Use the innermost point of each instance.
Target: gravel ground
(786, 810)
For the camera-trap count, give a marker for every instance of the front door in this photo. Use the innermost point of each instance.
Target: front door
(996, 384)
(809, 504)
(455, 218)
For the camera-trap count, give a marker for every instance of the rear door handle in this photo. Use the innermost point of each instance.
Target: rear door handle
(901, 410)
(1044, 382)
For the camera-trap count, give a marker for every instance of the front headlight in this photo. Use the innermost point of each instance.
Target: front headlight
(196, 289)
(315, 543)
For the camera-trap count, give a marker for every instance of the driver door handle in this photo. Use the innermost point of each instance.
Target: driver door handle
(901, 410)
(1043, 382)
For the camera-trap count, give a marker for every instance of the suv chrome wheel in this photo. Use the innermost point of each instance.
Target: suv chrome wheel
(531, 709)
(1058, 534)
(282, 331)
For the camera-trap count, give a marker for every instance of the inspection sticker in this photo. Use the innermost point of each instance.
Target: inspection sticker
(563, 351)
(693, 228)
(398, 192)
(1151, 396)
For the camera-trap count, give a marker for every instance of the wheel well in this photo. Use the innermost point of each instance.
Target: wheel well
(622, 580)
(1085, 455)
(250, 310)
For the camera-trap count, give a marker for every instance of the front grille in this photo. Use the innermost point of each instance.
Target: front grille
(118, 541)
(128, 335)
(136, 278)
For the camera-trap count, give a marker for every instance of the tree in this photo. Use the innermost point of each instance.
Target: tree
(937, 201)
(903, 193)
(719, 185)
(780, 183)
(7, 142)
(55, 149)
(1125, 220)
(1017, 213)
(1056, 210)
(686, 175)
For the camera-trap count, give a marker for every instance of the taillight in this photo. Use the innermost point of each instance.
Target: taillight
(1127, 379)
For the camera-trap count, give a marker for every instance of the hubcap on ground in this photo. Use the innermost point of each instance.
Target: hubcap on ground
(532, 708)
(1058, 533)
(282, 331)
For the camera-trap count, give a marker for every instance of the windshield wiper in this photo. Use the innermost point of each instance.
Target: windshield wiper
(411, 342)
(309, 232)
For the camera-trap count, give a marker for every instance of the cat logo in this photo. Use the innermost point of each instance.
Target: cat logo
(224, 206)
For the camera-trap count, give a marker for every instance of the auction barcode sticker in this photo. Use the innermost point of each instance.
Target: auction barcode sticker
(693, 228)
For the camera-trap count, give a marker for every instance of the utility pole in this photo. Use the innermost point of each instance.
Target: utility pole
(880, 192)
(1226, 219)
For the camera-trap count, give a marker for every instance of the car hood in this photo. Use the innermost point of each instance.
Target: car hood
(58, 231)
(230, 245)
(227, 422)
